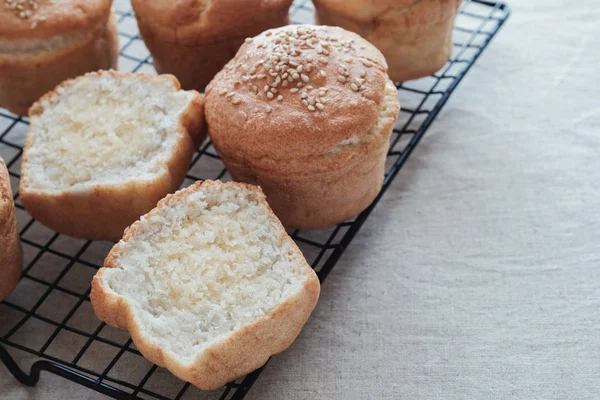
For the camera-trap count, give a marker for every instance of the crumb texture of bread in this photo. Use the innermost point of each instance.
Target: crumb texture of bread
(104, 130)
(104, 148)
(207, 263)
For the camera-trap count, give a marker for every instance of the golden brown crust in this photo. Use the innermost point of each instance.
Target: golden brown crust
(241, 352)
(104, 210)
(11, 257)
(318, 166)
(195, 22)
(23, 79)
(50, 18)
(414, 35)
(290, 130)
(194, 39)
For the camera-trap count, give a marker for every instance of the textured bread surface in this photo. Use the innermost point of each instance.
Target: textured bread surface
(305, 112)
(208, 284)
(49, 18)
(58, 40)
(10, 245)
(102, 149)
(415, 36)
(194, 39)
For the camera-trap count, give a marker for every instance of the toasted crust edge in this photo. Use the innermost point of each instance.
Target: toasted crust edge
(235, 355)
(103, 211)
(11, 258)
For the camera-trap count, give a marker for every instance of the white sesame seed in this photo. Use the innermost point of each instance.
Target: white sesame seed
(319, 106)
(261, 76)
(269, 95)
(354, 87)
(366, 63)
(273, 90)
(323, 73)
(280, 97)
(299, 69)
(236, 100)
(222, 91)
(295, 76)
(311, 108)
(230, 94)
(247, 40)
(294, 90)
(363, 74)
(300, 84)
(268, 108)
(266, 88)
(341, 79)
(305, 102)
(304, 78)
(303, 95)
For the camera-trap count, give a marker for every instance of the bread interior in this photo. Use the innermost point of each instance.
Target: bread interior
(104, 129)
(204, 266)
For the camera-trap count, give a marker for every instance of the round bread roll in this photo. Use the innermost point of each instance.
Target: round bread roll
(305, 112)
(10, 245)
(194, 39)
(44, 42)
(415, 36)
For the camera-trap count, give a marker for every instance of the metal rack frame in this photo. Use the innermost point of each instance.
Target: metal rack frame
(478, 22)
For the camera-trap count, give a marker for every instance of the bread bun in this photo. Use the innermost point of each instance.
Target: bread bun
(415, 36)
(102, 149)
(43, 43)
(305, 112)
(213, 264)
(194, 39)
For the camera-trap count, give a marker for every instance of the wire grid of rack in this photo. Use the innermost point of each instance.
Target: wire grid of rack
(49, 315)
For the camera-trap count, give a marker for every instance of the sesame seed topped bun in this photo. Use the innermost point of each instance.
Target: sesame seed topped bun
(24, 19)
(297, 91)
(298, 102)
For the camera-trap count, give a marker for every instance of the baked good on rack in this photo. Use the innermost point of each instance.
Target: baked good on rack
(43, 43)
(305, 112)
(193, 39)
(208, 284)
(415, 36)
(10, 245)
(102, 149)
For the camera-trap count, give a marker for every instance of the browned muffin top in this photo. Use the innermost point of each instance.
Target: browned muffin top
(30, 19)
(297, 91)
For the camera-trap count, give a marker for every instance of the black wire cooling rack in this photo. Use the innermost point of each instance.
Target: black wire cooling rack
(49, 315)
